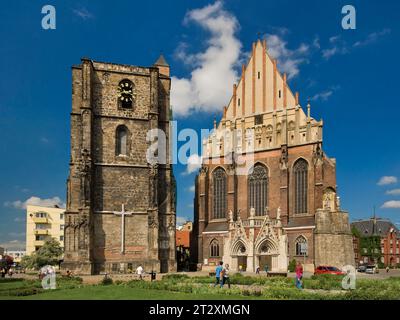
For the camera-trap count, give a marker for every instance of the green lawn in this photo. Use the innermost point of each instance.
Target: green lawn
(115, 292)
(182, 287)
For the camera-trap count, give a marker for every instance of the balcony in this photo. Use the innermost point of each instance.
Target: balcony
(40, 220)
(42, 232)
(39, 243)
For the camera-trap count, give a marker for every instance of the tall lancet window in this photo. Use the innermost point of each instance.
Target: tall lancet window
(300, 171)
(219, 179)
(121, 141)
(258, 189)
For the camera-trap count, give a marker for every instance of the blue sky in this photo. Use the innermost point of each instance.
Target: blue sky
(350, 75)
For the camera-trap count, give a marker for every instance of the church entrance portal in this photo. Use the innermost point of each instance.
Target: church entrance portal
(265, 262)
(242, 261)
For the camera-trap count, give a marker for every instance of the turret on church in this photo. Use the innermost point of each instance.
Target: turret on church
(266, 191)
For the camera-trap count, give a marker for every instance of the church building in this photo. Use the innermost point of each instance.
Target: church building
(266, 192)
(120, 207)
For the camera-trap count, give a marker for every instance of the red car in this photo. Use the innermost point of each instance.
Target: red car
(329, 270)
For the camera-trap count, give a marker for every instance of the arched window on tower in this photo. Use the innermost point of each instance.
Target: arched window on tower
(219, 178)
(214, 248)
(258, 189)
(121, 141)
(301, 246)
(300, 171)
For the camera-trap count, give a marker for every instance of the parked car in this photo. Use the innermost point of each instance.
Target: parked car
(371, 269)
(328, 270)
(362, 268)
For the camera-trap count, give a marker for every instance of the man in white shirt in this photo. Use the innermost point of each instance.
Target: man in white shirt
(140, 272)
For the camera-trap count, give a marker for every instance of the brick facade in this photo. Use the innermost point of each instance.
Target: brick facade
(265, 125)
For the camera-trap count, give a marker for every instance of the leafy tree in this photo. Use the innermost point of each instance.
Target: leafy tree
(6, 262)
(49, 254)
(292, 265)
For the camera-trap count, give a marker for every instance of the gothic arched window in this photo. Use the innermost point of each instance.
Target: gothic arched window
(258, 189)
(125, 94)
(214, 248)
(301, 246)
(300, 171)
(121, 141)
(219, 178)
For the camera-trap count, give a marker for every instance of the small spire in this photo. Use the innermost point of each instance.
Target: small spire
(215, 123)
(297, 98)
(308, 108)
(161, 61)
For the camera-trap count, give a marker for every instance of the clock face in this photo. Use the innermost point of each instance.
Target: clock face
(125, 93)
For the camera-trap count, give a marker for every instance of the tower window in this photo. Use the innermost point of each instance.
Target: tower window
(258, 74)
(125, 94)
(239, 102)
(121, 141)
(279, 93)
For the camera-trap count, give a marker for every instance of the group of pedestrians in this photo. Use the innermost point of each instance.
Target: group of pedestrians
(222, 275)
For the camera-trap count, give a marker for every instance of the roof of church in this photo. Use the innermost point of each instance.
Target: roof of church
(261, 87)
(216, 226)
(381, 227)
(161, 61)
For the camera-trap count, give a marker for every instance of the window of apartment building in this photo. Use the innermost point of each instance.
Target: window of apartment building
(40, 237)
(41, 226)
(41, 215)
(61, 227)
(61, 238)
(114, 267)
(61, 216)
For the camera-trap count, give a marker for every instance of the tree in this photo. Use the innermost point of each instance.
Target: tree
(49, 254)
(6, 262)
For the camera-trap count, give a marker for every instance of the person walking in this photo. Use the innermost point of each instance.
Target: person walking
(299, 276)
(258, 270)
(218, 271)
(139, 271)
(225, 277)
(387, 269)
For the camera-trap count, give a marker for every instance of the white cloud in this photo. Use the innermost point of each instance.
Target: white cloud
(371, 38)
(193, 163)
(44, 140)
(210, 83)
(36, 201)
(181, 220)
(83, 13)
(394, 192)
(289, 61)
(392, 204)
(192, 188)
(19, 219)
(340, 46)
(324, 95)
(13, 245)
(385, 180)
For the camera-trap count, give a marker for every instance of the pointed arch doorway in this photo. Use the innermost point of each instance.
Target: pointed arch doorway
(267, 256)
(239, 256)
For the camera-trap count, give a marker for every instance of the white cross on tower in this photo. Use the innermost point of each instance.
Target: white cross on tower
(122, 213)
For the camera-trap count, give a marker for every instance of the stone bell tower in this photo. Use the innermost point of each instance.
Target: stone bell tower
(114, 107)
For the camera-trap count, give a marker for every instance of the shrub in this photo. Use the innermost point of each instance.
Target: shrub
(178, 277)
(292, 265)
(106, 281)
